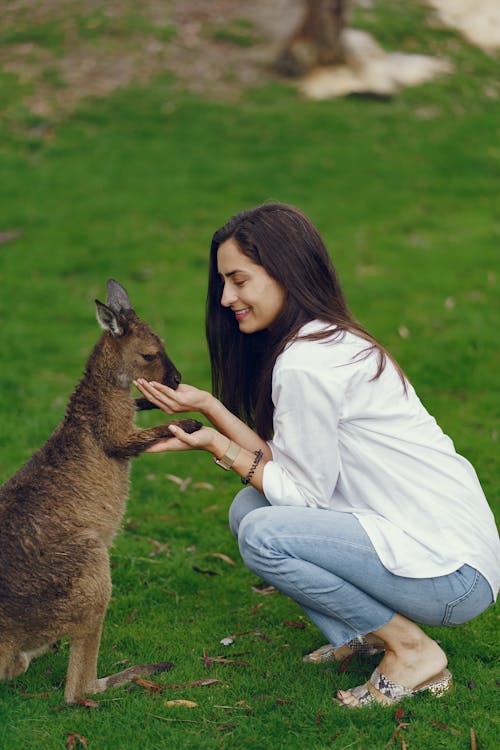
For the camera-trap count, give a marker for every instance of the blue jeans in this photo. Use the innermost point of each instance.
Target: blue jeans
(325, 561)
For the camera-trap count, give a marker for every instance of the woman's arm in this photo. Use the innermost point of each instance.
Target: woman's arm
(229, 428)
(236, 430)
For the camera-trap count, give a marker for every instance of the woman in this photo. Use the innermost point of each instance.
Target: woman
(356, 504)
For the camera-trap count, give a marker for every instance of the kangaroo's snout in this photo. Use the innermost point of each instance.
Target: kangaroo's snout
(172, 376)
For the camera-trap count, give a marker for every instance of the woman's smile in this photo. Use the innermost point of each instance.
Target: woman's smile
(240, 314)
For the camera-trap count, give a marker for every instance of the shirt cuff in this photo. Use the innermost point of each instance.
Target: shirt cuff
(278, 488)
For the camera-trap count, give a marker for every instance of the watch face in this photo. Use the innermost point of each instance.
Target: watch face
(220, 462)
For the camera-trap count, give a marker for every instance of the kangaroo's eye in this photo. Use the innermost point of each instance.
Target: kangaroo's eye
(149, 357)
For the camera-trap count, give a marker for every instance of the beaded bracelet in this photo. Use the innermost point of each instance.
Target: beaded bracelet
(256, 461)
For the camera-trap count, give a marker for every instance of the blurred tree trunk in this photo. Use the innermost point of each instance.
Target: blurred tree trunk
(316, 41)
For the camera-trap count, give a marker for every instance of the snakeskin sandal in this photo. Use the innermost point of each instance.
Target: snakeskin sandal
(390, 692)
(358, 646)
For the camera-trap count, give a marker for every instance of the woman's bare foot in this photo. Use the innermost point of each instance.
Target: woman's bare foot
(411, 657)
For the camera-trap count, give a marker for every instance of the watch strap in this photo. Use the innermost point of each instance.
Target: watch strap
(227, 460)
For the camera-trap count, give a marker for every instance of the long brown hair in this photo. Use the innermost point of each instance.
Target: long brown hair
(283, 240)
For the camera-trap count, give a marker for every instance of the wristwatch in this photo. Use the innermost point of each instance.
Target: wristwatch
(227, 460)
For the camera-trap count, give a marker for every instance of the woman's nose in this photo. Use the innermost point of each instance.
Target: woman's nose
(228, 296)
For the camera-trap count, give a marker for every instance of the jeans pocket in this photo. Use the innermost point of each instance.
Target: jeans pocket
(471, 603)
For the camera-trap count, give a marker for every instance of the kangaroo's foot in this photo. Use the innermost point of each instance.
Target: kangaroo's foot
(130, 674)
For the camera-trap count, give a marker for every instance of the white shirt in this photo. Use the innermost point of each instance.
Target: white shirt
(345, 442)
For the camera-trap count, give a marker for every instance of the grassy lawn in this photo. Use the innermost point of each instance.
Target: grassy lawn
(406, 194)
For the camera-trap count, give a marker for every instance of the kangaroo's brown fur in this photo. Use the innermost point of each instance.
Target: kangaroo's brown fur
(60, 512)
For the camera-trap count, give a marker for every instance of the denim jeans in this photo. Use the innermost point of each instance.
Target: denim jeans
(325, 561)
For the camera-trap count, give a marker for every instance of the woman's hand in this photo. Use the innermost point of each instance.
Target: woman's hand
(184, 398)
(205, 439)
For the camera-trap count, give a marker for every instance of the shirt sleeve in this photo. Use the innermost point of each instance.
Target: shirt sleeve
(305, 464)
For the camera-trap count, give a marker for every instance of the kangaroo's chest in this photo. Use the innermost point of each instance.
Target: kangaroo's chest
(105, 493)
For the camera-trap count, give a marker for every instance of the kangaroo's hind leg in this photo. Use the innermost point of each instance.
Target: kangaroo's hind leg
(87, 604)
(82, 668)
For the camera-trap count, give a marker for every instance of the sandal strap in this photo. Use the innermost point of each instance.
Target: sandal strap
(392, 691)
(363, 694)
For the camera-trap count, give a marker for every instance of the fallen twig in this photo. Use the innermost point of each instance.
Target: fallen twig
(445, 727)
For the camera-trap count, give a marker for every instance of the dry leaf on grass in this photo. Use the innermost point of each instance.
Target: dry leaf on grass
(345, 663)
(444, 727)
(396, 732)
(293, 624)
(132, 616)
(159, 547)
(73, 738)
(226, 660)
(181, 483)
(210, 508)
(205, 572)
(9, 236)
(35, 695)
(264, 590)
(223, 557)
(154, 687)
(88, 703)
(399, 713)
(180, 702)
(197, 683)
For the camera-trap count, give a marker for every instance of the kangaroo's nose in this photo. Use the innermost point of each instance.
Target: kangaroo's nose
(177, 379)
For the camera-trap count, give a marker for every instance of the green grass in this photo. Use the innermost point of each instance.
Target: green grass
(238, 32)
(405, 193)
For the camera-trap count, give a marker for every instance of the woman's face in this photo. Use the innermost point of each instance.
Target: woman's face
(255, 298)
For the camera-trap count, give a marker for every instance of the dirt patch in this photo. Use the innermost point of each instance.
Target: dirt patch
(66, 50)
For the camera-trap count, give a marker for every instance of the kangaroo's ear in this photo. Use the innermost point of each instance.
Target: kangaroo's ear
(117, 298)
(108, 319)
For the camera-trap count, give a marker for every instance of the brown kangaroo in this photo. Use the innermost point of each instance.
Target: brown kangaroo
(60, 512)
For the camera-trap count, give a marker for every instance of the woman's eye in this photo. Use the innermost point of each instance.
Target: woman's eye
(149, 357)
(238, 283)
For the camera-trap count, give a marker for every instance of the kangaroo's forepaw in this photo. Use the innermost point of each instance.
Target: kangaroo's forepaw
(188, 425)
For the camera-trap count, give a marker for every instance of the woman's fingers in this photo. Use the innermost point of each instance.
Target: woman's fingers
(184, 441)
(182, 399)
(180, 442)
(169, 444)
(190, 440)
(155, 395)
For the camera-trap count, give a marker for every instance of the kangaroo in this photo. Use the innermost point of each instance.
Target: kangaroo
(60, 512)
